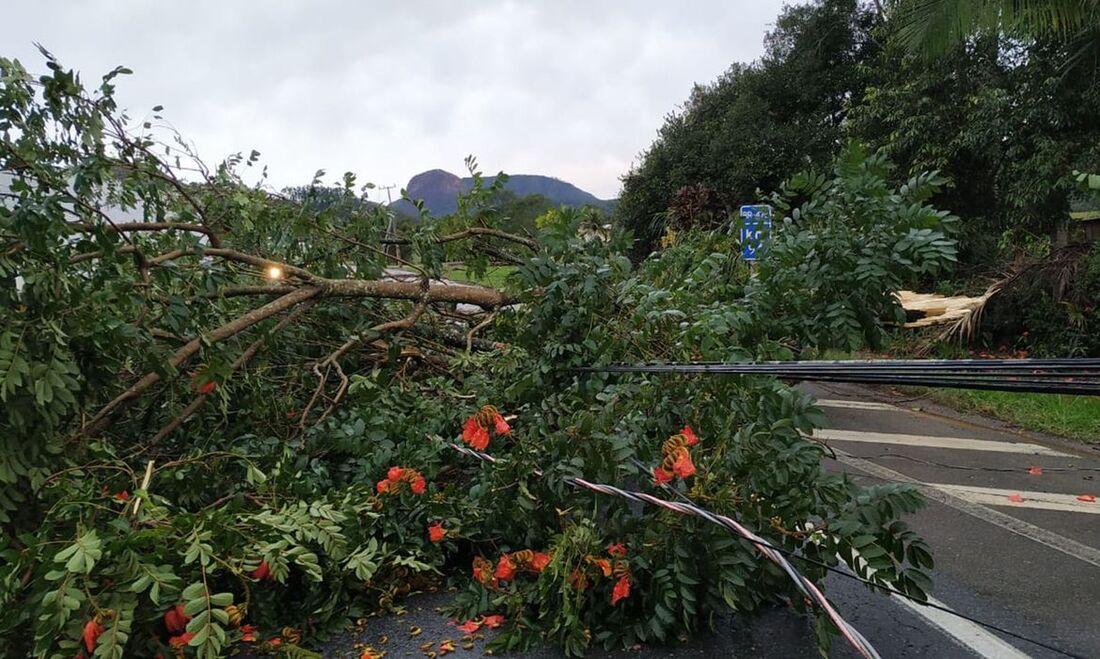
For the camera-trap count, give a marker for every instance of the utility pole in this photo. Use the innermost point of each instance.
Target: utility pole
(391, 250)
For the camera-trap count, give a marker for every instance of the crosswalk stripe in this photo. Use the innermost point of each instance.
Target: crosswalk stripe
(1067, 546)
(828, 434)
(855, 404)
(992, 496)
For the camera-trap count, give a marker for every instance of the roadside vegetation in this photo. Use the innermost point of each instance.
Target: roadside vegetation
(1075, 417)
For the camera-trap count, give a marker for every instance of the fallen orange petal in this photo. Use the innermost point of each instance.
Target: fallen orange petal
(469, 627)
(1035, 471)
(493, 621)
(1087, 498)
(1016, 498)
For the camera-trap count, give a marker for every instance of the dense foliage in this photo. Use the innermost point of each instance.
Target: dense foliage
(1002, 124)
(1006, 111)
(757, 124)
(223, 423)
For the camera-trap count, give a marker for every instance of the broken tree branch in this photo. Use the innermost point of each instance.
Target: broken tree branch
(239, 363)
(102, 419)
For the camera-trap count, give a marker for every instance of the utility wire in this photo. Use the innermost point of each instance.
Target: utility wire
(1050, 376)
(766, 548)
(804, 585)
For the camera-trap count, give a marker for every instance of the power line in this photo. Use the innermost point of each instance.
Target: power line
(1051, 376)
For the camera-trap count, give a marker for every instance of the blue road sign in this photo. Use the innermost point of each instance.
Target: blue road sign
(756, 226)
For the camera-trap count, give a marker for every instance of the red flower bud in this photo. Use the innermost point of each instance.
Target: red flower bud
(689, 436)
(263, 572)
(660, 476)
(621, 590)
(436, 532)
(539, 561)
(175, 620)
(92, 631)
(505, 569)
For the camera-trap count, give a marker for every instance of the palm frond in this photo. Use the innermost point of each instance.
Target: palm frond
(932, 27)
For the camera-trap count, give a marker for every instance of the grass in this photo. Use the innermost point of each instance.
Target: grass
(1076, 417)
(494, 276)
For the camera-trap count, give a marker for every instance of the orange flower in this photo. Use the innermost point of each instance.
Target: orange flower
(621, 590)
(275, 642)
(92, 631)
(493, 621)
(122, 496)
(483, 571)
(398, 475)
(505, 569)
(474, 434)
(263, 572)
(501, 426)
(436, 532)
(175, 620)
(660, 476)
(181, 640)
(539, 561)
(616, 549)
(604, 565)
(248, 633)
(682, 465)
(469, 627)
(689, 436)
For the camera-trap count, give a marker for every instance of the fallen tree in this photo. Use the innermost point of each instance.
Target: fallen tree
(224, 423)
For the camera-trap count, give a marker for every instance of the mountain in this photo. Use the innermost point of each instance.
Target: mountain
(439, 191)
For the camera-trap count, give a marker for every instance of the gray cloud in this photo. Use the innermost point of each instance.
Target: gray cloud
(571, 89)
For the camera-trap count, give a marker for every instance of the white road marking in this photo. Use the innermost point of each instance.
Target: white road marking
(970, 635)
(828, 434)
(966, 633)
(1038, 534)
(992, 496)
(856, 404)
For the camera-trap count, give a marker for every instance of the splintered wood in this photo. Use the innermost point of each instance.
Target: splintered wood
(937, 309)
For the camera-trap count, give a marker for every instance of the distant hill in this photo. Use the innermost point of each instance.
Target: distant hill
(439, 191)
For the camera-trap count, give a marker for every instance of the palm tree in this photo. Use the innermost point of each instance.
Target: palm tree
(932, 27)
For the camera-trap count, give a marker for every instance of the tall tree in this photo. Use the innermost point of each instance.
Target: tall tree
(995, 116)
(933, 27)
(756, 124)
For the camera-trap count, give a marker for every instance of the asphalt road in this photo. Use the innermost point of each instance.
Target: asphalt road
(1014, 549)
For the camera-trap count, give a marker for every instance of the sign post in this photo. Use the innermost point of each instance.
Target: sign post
(756, 227)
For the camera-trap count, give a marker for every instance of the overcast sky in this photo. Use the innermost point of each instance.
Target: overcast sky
(572, 89)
